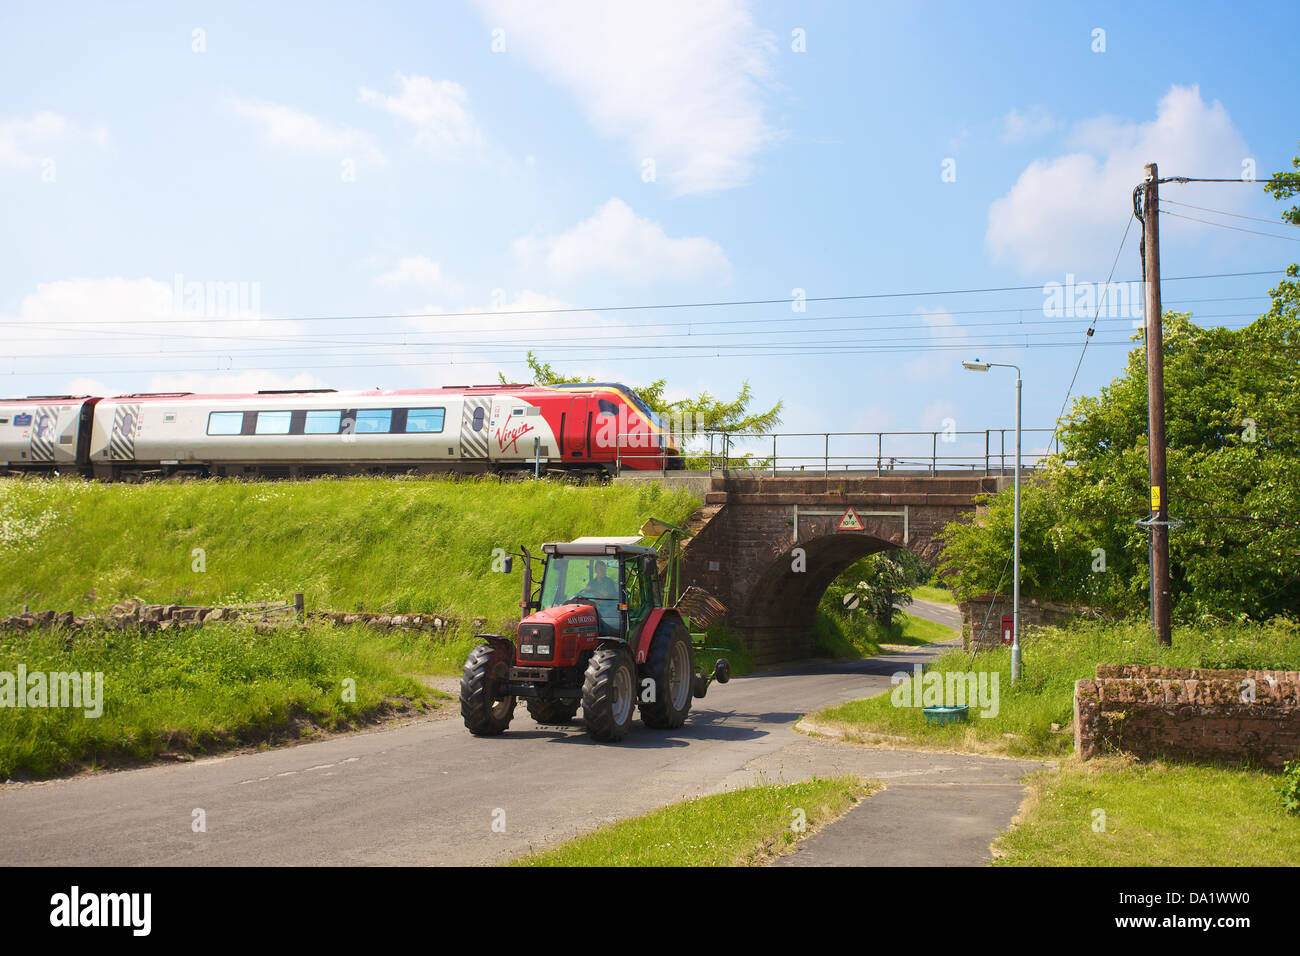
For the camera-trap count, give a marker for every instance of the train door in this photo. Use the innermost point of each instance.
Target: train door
(474, 428)
(514, 426)
(577, 431)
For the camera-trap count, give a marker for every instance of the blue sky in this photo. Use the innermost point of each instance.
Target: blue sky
(330, 160)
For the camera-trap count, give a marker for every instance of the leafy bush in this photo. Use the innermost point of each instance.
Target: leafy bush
(1289, 786)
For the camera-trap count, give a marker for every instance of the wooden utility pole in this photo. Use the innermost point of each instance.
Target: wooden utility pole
(1156, 408)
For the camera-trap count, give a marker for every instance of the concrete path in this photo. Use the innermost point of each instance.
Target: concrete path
(429, 793)
(936, 810)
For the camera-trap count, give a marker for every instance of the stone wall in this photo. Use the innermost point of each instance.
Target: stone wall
(1189, 713)
(981, 617)
(135, 615)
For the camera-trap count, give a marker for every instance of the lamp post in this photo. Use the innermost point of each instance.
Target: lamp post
(978, 366)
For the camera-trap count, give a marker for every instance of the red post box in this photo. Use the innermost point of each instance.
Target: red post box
(1008, 628)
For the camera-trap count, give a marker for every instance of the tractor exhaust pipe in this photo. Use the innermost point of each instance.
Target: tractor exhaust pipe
(525, 605)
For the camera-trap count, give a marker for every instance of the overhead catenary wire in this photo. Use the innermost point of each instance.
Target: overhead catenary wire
(786, 300)
(818, 350)
(610, 341)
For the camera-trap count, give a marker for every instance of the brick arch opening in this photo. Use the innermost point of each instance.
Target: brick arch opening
(777, 620)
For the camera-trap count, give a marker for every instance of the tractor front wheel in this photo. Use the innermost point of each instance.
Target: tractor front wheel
(609, 694)
(551, 711)
(486, 710)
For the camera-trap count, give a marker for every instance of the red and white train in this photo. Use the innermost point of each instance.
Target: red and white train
(583, 427)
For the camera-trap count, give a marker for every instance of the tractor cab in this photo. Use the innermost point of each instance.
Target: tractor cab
(616, 577)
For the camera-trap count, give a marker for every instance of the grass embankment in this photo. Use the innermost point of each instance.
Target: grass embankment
(378, 544)
(1152, 814)
(1052, 661)
(196, 691)
(930, 592)
(842, 639)
(737, 828)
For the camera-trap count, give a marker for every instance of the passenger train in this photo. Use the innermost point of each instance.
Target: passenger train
(584, 428)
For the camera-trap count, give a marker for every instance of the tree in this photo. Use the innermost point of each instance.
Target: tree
(881, 582)
(1284, 185)
(1232, 406)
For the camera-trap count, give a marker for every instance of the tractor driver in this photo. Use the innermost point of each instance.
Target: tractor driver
(602, 591)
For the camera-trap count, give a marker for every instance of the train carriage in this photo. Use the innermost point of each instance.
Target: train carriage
(45, 433)
(587, 428)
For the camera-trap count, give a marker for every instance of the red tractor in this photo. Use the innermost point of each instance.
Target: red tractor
(595, 633)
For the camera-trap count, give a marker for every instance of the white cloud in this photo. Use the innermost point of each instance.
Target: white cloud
(945, 332)
(419, 271)
(69, 335)
(26, 140)
(679, 82)
(1032, 123)
(438, 111)
(615, 241)
(1067, 213)
(940, 415)
(285, 126)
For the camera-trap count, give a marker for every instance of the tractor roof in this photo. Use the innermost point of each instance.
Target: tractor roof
(595, 546)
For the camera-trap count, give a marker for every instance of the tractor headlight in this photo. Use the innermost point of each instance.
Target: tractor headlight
(526, 649)
(543, 650)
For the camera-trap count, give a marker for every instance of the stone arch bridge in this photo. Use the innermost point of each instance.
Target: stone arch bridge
(747, 531)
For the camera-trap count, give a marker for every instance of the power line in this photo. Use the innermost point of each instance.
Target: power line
(479, 313)
(601, 341)
(1221, 212)
(819, 350)
(1224, 225)
(1194, 179)
(1093, 325)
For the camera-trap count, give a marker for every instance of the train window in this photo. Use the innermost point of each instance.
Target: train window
(480, 413)
(273, 423)
(424, 419)
(373, 420)
(607, 407)
(322, 422)
(225, 423)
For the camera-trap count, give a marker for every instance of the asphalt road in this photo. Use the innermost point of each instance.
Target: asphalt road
(934, 611)
(429, 793)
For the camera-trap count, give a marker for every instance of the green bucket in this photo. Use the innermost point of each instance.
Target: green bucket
(946, 715)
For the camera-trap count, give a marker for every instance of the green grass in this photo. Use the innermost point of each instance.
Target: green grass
(838, 637)
(1156, 814)
(379, 544)
(917, 630)
(382, 544)
(930, 592)
(1052, 661)
(200, 690)
(736, 828)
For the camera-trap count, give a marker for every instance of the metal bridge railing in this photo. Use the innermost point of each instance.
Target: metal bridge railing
(879, 453)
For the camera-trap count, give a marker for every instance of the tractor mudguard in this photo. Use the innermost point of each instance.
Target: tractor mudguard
(648, 628)
(499, 641)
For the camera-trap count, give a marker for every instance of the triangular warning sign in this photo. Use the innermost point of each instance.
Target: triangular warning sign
(850, 521)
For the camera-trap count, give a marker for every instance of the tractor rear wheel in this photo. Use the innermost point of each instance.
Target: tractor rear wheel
(487, 713)
(551, 711)
(669, 665)
(609, 694)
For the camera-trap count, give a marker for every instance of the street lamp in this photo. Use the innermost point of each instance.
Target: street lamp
(978, 366)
